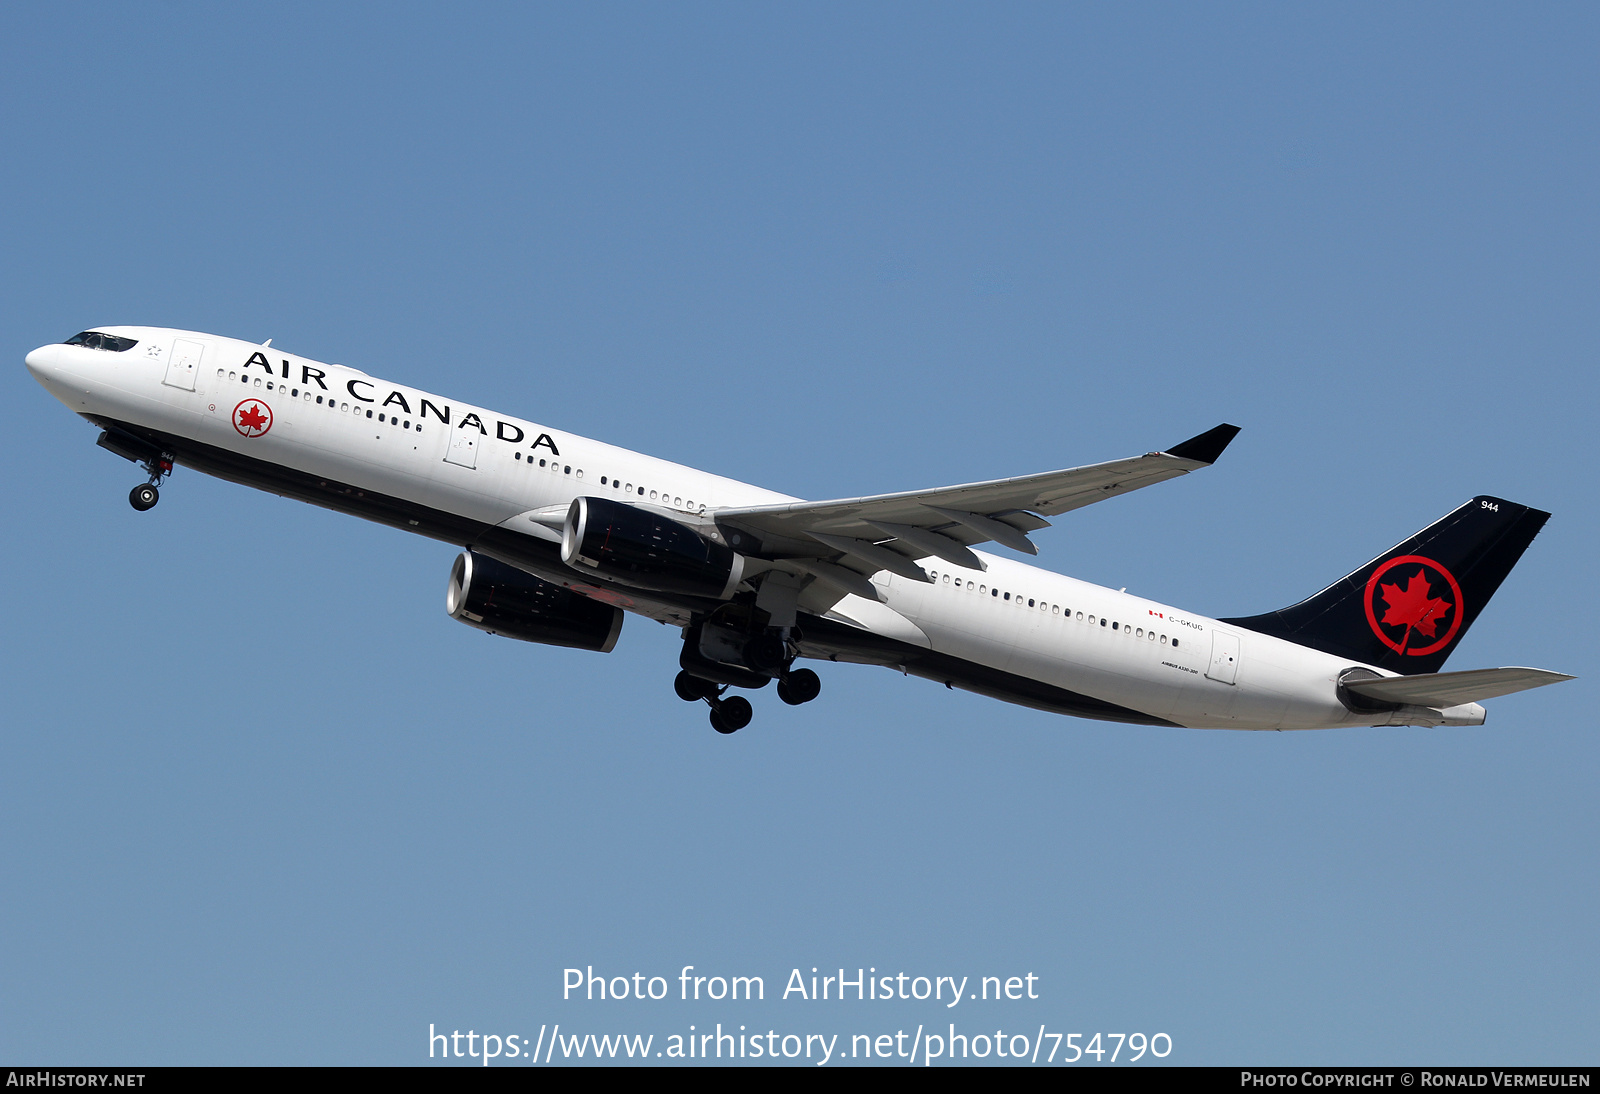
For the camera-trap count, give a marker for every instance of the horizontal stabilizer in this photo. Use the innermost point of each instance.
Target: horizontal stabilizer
(1448, 689)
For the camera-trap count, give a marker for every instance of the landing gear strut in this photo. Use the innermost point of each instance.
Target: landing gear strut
(145, 495)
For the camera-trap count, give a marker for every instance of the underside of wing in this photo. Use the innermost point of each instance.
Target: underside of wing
(840, 543)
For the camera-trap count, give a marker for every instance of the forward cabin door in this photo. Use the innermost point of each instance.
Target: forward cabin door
(183, 364)
(1224, 657)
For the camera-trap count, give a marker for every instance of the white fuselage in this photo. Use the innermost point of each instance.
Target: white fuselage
(491, 468)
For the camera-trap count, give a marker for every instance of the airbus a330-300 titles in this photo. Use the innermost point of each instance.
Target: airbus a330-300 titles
(563, 536)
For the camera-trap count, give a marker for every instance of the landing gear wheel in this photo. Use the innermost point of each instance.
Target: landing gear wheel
(731, 715)
(692, 689)
(144, 496)
(800, 686)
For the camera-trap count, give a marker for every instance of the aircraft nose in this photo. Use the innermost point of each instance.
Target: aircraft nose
(41, 362)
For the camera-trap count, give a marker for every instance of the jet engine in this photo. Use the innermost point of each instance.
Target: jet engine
(507, 601)
(637, 547)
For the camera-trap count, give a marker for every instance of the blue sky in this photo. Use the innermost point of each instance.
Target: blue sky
(264, 802)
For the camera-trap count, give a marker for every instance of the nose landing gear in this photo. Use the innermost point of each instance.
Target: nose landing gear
(156, 463)
(145, 495)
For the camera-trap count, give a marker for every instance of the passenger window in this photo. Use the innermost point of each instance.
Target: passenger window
(602, 480)
(947, 579)
(1141, 632)
(1152, 636)
(269, 385)
(1091, 621)
(407, 425)
(1008, 596)
(517, 456)
(344, 408)
(677, 502)
(1174, 643)
(541, 463)
(652, 495)
(220, 371)
(1113, 626)
(258, 380)
(319, 400)
(567, 470)
(1055, 609)
(369, 413)
(380, 416)
(231, 375)
(641, 491)
(294, 393)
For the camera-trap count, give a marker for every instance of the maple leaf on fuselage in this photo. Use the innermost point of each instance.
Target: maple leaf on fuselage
(252, 418)
(1414, 606)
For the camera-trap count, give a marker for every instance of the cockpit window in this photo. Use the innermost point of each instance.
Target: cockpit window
(93, 339)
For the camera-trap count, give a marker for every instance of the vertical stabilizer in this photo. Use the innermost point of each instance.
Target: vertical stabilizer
(1407, 609)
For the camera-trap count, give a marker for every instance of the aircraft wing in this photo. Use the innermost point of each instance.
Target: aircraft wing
(865, 535)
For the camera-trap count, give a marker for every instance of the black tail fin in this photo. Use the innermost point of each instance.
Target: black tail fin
(1408, 608)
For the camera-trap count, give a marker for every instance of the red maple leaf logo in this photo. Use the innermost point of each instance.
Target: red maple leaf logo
(252, 418)
(1413, 606)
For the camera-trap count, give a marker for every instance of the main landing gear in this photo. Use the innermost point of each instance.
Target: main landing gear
(799, 686)
(731, 713)
(145, 495)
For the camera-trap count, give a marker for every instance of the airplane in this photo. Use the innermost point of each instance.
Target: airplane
(562, 536)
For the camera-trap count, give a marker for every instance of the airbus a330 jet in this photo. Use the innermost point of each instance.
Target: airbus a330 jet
(563, 536)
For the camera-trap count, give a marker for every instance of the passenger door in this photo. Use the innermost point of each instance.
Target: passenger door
(463, 450)
(1224, 657)
(183, 364)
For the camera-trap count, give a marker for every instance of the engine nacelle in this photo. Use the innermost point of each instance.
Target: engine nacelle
(507, 601)
(637, 547)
